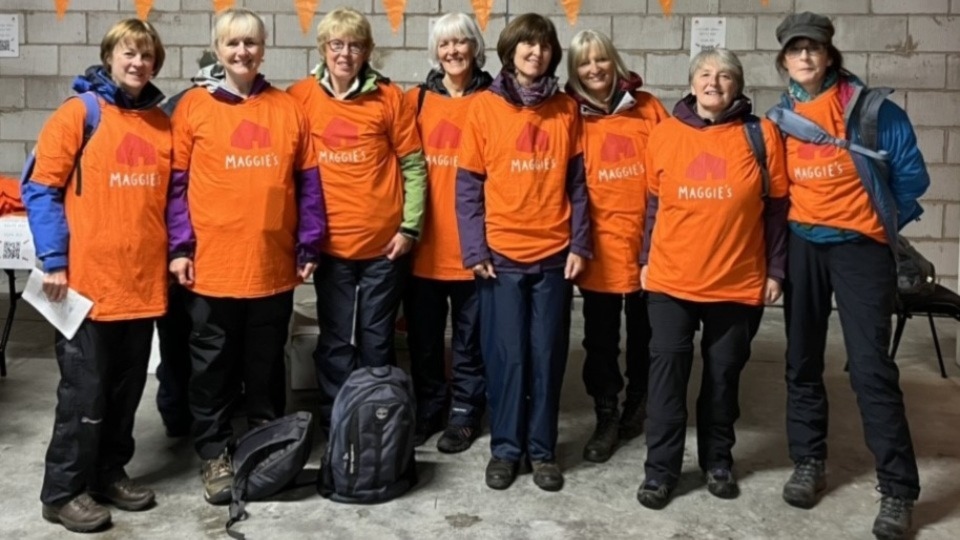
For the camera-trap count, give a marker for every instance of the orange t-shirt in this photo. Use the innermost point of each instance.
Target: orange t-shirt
(524, 153)
(825, 188)
(359, 142)
(708, 240)
(614, 147)
(241, 193)
(440, 122)
(117, 252)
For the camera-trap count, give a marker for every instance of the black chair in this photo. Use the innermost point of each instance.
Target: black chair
(942, 301)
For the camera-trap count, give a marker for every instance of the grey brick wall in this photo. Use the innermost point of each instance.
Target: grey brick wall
(913, 46)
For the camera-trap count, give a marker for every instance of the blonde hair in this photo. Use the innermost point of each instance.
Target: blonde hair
(580, 47)
(237, 22)
(345, 21)
(140, 33)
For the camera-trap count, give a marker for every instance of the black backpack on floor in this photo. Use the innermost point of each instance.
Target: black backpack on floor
(267, 459)
(370, 456)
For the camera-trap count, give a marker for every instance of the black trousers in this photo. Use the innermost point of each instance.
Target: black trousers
(862, 276)
(103, 370)
(601, 341)
(173, 373)
(725, 347)
(426, 307)
(357, 303)
(236, 346)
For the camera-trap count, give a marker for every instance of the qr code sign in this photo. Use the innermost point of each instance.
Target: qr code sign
(5, 45)
(11, 250)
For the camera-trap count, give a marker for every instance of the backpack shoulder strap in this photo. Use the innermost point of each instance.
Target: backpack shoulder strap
(868, 111)
(420, 97)
(92, 118)
(804, 129)
(755, 137)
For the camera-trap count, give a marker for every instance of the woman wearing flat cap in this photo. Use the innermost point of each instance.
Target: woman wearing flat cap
(847, 205)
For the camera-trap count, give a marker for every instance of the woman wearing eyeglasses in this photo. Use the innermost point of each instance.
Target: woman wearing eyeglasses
(374, 177)
(843, 222)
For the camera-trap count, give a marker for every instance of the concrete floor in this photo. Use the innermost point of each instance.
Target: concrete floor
(453, 502)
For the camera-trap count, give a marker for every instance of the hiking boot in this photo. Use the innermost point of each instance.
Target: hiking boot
(722, 483)
(425, 429)
(893, 521)
(79, 514)
(125, 494)
(654, 494)
(456, 439)
(633, 416)
(217, 474)
(807, 481)
(547, 475)
(501, 473)
(606, 435)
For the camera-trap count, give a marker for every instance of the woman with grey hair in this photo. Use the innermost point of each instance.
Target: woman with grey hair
(616, 118)
(714, 258)
(455, 48)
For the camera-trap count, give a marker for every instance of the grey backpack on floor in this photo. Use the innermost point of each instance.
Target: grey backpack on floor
(267, 459)
(370, 456)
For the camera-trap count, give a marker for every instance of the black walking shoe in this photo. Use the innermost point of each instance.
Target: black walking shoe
(634, 414)
(79, 514)
(893, 521)
(654, 494)
(547, 475)
(456, 439)
(805, 484)
(501, 473)
(722, 483)
(606, 436)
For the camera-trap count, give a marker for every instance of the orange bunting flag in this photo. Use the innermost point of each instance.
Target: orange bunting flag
(143, 9)
(667, 6)
(62, 8)
(220, 5)
(764, 2)
(572, 7)
(481, 8)
(395, 10)
(305, 11)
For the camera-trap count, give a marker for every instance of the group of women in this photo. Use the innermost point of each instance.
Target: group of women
(499, 194)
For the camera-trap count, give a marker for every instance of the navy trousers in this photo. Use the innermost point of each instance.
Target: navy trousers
(426, 307)
(524, 337)
(103, 370)
(862, 276)
(725, 347)
(236, 348)
(173, 373)
(601, 341)
(357, 303)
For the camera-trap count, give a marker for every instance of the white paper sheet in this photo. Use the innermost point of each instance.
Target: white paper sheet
(65, 315)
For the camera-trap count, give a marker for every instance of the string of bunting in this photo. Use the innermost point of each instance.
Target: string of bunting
(306, 9)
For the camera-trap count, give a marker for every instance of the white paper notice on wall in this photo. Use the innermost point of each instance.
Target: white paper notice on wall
(9, 35)
(16, 244)
(707, 33)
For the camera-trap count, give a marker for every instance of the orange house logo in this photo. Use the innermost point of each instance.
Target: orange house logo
(533, 139)
(810, 151)
(134, 151)
(444, 136)
(248, 136)
(707, 167)
(617, 148)
(339, 133)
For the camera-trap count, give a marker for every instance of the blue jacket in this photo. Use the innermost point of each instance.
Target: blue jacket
(44, 204)
(894, 200)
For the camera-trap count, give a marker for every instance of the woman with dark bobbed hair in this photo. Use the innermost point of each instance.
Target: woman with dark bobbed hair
(524, 230)
(845, 211)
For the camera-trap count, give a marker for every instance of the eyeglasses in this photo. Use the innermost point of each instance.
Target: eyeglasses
(813, 49)
(337, 45)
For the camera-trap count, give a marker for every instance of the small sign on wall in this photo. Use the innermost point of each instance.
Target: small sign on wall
(9, 35)
(707, 33)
